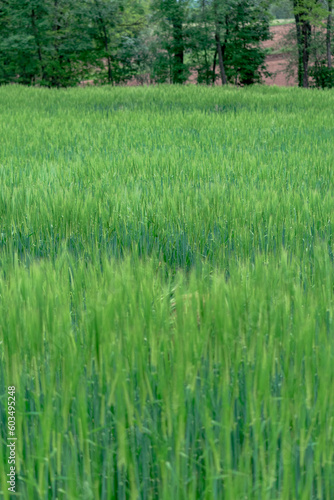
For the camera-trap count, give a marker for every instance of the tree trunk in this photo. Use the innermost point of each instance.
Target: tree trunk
(110, 76)
(306, 31)
(329, 34)
(299, 46)
(37, 40)
(56, 78)
(220, 58)
(207, 68)
(178, 51)
(214, 67)
(105, 41)
(218, 44)
(303, 29)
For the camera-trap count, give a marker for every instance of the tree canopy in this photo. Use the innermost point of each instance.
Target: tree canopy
(59, 43)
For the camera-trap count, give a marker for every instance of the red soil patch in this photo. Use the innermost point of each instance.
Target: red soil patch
(276, 63)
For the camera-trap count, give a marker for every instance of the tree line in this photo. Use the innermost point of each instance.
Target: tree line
(59, 43)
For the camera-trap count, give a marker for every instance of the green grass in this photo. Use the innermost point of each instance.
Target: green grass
(281, 22)
(271, 51)
(166, 292)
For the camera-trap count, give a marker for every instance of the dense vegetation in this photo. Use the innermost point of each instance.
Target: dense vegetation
(166, 292)
(59, 43)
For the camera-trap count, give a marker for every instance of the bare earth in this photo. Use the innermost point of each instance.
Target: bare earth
(276, 63)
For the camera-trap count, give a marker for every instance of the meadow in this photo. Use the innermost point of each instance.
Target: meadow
(166, 292)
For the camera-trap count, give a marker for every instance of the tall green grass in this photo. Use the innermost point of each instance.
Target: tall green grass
(166, 292)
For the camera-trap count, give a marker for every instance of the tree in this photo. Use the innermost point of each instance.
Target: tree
(329, 34)
(42, 42)
(218, 14)
(307, 13)
(206, 40)
(171, 18)
(202, 44)
(58, 43)
(20, 50)
(232, 32)
(115, 25)
(246, 27)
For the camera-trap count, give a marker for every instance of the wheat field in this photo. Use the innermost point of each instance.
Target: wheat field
(166, 292)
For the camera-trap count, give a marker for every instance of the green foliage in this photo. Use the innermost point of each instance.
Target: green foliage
(242, 27)
(116, 30)
(322, 75)
(311, 11)
(41, 42)
(172, 18)
(166, 292)
(58, 43)
(247, 26)
(202, 42)
(308, 15)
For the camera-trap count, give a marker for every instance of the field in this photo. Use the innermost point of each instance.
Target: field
(166, 293)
